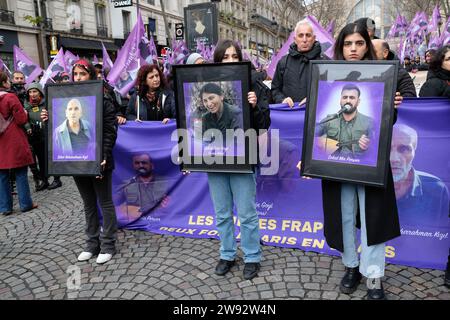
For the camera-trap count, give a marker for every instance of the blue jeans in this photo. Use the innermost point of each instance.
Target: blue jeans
(372, 257)
(240, 188)
(23, 190)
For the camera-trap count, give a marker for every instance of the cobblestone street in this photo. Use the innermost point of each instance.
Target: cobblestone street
(39, 248)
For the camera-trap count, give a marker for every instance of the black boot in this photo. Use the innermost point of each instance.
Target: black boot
(55, 184)
(43, 185)
(375, 290)
(351, 280)
(223, 267)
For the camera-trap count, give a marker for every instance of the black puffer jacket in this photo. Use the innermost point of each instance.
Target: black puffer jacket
(109, 131)
(405, 84)
(438, 85)
(260, 115)
(292, 72)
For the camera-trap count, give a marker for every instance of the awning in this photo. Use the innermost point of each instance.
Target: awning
(86, 44)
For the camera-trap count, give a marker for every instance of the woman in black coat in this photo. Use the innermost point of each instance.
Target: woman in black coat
(156, 102)
(97, 191)
(438, 84)
(342, 202)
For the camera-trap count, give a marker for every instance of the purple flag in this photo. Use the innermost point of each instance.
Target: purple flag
(70, 59)
(23, 63)
(107, 63)
(330, 27)
(445, 37)
(395, 28)
(95, 60)
(123, 74)
(325, 39)
(56, 66)
(435, 42)
(282, 52)
(152, 49)
(4, 68)
(435, 19)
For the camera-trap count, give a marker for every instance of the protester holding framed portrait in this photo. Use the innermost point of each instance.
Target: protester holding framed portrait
(356, 134)
(238, 188)
(94, 190)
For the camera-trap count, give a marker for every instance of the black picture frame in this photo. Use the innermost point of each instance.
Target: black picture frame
(201, 23)
(193, 117)
(335, 149)
(82, 156)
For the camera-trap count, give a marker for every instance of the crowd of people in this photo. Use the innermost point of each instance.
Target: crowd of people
(345, 205)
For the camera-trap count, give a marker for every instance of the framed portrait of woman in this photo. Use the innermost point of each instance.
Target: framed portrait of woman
(213, 117)
(74, 135)
(348, 122)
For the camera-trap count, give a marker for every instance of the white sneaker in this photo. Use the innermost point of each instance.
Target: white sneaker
(84, 256)
(103, 258)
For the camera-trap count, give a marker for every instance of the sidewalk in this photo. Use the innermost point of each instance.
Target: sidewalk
(38, 253)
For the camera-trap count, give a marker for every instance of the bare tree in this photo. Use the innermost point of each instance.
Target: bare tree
(286, 9)
(409, 8)
(326, 11)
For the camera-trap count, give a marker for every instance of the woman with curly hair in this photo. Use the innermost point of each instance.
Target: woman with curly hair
(155, 101)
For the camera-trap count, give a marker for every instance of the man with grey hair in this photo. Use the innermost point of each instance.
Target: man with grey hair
(290, 81)
(421, 197)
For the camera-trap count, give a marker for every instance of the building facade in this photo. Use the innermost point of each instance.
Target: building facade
(76, 25)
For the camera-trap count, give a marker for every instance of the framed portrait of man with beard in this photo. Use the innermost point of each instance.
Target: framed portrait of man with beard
(348, 122)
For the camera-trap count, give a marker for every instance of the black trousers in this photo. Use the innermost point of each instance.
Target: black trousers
(38, 149)
(99, 191)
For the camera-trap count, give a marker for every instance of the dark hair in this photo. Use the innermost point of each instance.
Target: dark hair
(351, 86)
(86, 65)
(138, 154)
(349, 29)
(222, 46)
(385, 45)
(3, 78)
(141, 81)
(18, 71)
(211, 88)
(438, 58)
(367, 23)
(432, 52)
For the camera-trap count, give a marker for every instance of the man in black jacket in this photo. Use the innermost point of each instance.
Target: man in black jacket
(290, 82)
(405, 84)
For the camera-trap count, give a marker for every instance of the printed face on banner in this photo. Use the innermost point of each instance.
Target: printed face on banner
(144, 192)
(74, 129)
(213, 113)
(421, 196)
(348, 122)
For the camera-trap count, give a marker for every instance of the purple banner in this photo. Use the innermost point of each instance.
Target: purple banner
(151, 194)
(23, 63)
